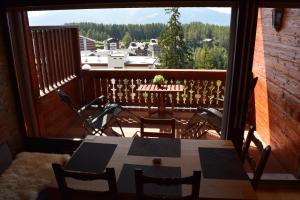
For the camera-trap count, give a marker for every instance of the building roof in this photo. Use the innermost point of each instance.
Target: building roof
(131, 60)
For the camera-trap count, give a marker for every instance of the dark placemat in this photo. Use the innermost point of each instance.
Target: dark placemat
(220, 163)
(126, 181)
(91, 157)
(156, 147)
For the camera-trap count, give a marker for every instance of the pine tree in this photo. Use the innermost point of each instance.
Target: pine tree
(174, 52)
(127, 39)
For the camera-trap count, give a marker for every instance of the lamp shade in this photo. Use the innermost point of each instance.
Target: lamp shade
(277, 15)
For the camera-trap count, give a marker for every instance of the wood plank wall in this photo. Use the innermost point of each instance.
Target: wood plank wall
(10, 131)
(56, 52)
(277, 94)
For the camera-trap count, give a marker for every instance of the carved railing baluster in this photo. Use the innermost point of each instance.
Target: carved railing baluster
(145, 95)
(101, 89)
(191, 91)
(198, 95)
(113, 89)
(170, 98)
(152, 97)
(184, 95)
(211, 95)
(178, 93)
(200, 88)
(132, 94)
(125, 81)
(108, 89)
(218, 91)
(204, 92)
(119, 92)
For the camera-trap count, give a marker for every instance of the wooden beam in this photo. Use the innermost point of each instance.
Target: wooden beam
(279, 3)
(239, 72)
(16, 24)
(72, 4)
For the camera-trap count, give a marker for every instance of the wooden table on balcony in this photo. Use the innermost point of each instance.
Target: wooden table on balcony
(162, 91)
(223, 176)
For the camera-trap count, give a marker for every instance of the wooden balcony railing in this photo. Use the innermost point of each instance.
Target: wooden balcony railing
(201, 87)
(56, 52)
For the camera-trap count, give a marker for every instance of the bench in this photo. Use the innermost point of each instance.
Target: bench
(26, 175)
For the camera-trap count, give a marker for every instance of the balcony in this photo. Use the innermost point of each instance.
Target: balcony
(57, 65)
(202, 88)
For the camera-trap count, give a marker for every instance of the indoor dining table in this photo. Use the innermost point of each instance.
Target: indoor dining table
(223, 175)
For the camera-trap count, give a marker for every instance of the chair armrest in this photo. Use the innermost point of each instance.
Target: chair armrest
(107, 110)
(98, 99)
(211, 111)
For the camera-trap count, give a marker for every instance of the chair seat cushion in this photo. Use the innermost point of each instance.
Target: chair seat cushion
(28, 174)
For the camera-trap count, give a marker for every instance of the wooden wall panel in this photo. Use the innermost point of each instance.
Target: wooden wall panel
(277, 95)
(56, 114)
(57, 49)
(10, 129)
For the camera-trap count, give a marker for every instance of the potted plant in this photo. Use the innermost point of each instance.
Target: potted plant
(158, 80)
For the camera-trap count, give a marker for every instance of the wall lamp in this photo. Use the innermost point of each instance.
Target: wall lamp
(277, 15)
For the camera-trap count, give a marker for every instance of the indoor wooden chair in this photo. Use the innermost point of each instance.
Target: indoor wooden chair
(141, 180)
(168, 124)
(256, 167)
(70, 193)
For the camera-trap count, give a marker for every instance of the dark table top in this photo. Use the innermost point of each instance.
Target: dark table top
(194, 155)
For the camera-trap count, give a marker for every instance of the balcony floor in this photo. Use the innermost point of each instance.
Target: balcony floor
(130, 125)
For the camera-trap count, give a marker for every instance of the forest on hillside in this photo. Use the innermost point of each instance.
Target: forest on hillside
(208, 43)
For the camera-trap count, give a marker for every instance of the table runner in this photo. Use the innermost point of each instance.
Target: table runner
(156, 147)
(91, 157)
(220, 163)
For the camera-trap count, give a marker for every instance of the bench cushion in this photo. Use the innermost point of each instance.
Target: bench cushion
(28, 174)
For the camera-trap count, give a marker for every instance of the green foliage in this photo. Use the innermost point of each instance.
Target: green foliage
(196, 32)
(101, 32)
(126, 39)
(158, 79)
(174, 52)
(211, 58)
(207, 54)
(99, 45)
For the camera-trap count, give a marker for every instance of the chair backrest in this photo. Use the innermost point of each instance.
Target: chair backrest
(158, 123)
(257, 167)
(68, 193)
(66, 99)
(251, 109)
(141, 179)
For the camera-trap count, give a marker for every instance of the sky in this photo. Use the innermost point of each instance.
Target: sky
(219, 16)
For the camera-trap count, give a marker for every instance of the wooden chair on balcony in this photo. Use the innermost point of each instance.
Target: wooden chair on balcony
(141, 180)
(211, 118)
(257, 167)
(162, 124)
(97, 116)
(71, 193)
